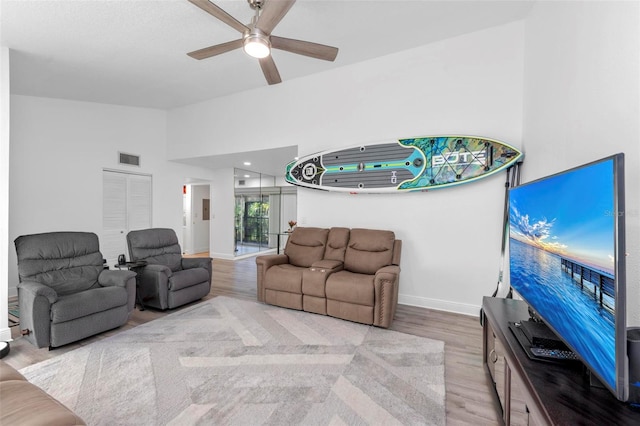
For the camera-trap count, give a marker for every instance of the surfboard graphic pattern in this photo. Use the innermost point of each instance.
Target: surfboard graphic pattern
(415, 164)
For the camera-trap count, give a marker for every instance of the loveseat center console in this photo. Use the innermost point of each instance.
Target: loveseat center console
(533, 392)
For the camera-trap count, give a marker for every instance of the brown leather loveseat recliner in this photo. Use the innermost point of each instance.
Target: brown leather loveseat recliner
(23, 403)
(351, 274)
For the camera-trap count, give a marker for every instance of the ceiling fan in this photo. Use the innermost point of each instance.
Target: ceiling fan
(257, 40)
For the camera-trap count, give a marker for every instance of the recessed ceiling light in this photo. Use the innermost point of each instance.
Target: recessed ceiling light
(247, 163)
(247, 176)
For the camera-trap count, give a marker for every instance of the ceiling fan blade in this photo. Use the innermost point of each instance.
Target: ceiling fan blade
(307, 48)
(272, 12)
(210, 51)
(215, 11)
(269, 70)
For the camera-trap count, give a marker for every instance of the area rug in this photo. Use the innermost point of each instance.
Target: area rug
(237, 362)
(14, 314)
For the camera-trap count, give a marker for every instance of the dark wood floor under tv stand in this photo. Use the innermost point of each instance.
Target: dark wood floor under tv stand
(541, 393)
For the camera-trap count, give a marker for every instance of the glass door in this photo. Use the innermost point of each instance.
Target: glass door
(262, 210)
(252, 212)
(251, 223)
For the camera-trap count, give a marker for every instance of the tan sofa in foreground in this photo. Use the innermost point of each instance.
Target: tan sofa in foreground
(351, 274)
(23, 403)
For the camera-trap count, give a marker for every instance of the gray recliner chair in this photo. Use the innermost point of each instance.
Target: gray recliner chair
(168, 280)
(64, 293)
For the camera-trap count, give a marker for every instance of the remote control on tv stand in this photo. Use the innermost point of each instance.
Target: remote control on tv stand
(556, 354)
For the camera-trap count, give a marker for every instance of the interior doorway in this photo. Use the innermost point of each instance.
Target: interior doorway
(196, 219)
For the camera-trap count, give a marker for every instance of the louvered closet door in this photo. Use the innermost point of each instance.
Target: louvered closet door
(126, 207)
(139, 202)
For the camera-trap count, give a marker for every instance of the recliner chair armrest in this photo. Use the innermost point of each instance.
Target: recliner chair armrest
(108, 278)
(35, 301)
(124, 279)
(37, 289)
(196, 262)
(156, 269)
(387, 272)
(385, 286)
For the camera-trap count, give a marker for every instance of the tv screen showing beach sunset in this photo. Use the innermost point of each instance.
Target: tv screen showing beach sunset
(562, 258)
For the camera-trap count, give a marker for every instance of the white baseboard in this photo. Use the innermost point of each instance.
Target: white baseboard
(440, 305)
(245, 256)
(241, 256)
(222, 256)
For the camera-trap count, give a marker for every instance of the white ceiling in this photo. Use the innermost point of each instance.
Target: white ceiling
(133, 52)
(267, 161)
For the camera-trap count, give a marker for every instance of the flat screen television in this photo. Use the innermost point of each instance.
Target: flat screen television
(567, 261)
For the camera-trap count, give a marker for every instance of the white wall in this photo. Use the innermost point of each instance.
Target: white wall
(222, 242)
(288, 209)
(58, 151)
(582, 100)
(5, 331)
(466, 85)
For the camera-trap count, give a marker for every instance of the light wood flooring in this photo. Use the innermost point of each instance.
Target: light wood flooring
(468, 399)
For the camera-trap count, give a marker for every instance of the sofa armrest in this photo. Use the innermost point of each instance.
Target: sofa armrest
(314, 280)
(35, 301)
(124, 279)
(269, 260)
(386, 283)
(263, 263)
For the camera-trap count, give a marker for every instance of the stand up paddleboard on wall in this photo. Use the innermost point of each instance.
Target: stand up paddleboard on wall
(416, 164)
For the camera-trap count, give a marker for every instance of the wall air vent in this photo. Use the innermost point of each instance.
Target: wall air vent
(129, 159)
(241, 182)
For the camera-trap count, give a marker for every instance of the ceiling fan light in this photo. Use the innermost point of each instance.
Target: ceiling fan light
(257, 46)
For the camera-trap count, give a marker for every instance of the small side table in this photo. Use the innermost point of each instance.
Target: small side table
(132, 266)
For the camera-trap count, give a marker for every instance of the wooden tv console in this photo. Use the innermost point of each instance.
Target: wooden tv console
(531, 392)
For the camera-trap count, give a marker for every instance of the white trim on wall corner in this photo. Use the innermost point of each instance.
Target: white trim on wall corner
(439, 305)
(5, 335)
(5, 153)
